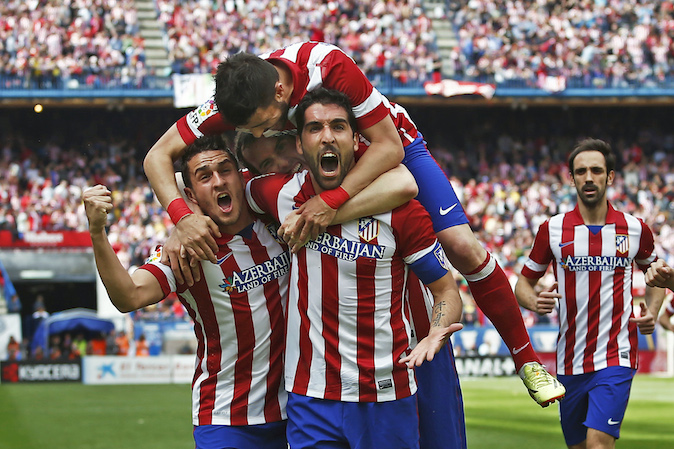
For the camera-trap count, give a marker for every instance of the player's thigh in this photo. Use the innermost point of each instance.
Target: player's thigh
(390, 425)
(262, 436)
(608, 399)
(441, 416)
(436, 194)
(315, 423)
(573, 409)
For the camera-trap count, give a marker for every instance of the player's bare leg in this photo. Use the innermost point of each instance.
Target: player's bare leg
(494, 296)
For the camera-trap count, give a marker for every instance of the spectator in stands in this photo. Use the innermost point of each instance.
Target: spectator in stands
(13, 349)
(122, 344)
(142, 348)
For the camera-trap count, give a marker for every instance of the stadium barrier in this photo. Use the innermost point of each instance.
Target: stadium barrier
(31, 371)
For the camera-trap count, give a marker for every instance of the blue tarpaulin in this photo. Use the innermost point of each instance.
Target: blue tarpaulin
(74, 320)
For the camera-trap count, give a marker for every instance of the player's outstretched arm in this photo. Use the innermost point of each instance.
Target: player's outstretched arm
(659, 274)
(126, 292)
(447, 311)
(196, 232)
(390, 190)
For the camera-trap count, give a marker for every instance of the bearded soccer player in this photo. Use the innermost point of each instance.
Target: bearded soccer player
(260, 94)
(592, 249)
(348, 369)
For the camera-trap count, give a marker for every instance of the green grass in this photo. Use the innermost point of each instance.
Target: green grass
(499, 414)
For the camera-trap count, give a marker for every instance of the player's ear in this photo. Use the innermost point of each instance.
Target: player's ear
(190, 195)
(611, 177)
(298, 143)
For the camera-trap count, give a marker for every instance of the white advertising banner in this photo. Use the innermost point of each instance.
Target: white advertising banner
(137, 370)
(191, 90)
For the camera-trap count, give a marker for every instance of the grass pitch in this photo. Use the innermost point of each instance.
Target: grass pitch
(499, 415)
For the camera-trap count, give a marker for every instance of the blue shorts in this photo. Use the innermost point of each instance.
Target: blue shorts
(441, 419)
(595, 400)
(322, 424)
(436, 194)
(260, 436)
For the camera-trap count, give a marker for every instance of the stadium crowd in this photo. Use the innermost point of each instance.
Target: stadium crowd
(591, 43)
(77, 43)
(508, 185)
(384, 37)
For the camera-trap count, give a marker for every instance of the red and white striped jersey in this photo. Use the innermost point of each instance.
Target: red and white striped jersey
(313, 65)
(237, 308)
(593, 268)
(346, 323)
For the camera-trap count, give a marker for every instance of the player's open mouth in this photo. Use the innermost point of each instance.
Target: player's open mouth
(329, 164)
(225, 202)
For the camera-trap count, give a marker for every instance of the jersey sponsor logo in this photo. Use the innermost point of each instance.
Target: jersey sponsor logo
(344, 249)
(448, 210)
(368, 229)
(439, 254)
(622, 243)
(594, 263)
(257, 275)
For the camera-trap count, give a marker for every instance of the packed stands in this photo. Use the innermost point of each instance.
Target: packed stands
(599, 44)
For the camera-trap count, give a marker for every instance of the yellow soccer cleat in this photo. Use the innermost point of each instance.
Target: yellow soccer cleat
(543, 388)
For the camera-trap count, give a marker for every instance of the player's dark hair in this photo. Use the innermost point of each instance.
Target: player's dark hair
(593, 145)
(243, 83)
(324, 96)
(205, 143)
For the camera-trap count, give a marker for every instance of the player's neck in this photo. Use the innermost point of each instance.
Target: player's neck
(595, 214)
(245, 219)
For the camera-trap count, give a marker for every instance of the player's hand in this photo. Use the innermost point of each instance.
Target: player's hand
(547, 300)
(316, 215)
(290, 231)
(659, 274)
(185, 269)
(97, 204)
(646, 322)
(426, 349)
(196, 233)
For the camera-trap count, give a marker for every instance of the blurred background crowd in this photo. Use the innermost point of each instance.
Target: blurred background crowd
(592, 43)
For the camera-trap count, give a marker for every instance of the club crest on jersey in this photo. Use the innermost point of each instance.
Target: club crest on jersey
(273, 230)
(622, 243)
(440, 255)
(368, 228)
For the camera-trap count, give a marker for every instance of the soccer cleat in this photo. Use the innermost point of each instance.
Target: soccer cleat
(543, 388)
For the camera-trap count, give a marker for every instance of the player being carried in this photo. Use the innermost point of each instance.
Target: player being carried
(260, 94)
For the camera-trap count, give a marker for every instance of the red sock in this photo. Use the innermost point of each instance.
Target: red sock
(494, 296)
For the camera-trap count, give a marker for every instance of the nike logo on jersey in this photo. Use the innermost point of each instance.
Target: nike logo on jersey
(612, 423)
(562, 245)
(518, 350)
(448, 210)
(222, 259)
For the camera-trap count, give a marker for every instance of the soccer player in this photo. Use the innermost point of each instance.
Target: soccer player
(592, 249)
(439, 397)
(238, 395)
(259, 94)
(347, 366)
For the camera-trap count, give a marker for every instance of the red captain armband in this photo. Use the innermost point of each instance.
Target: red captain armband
(335, 197)
(177, 209)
